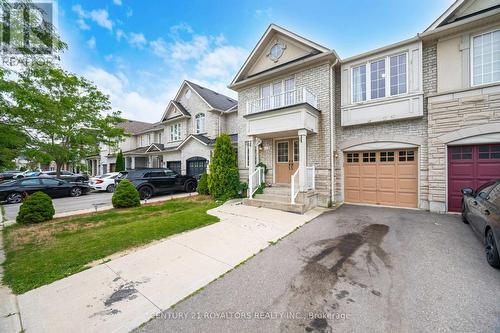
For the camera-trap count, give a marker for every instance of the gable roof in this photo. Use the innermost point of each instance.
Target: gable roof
(134, 126)
(214, 99)
(178, 106)
(267, 37)
(460, 10)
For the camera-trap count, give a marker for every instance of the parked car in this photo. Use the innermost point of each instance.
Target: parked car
(152, 181)
(481, 209)
(105, 182)
(15, 190)
(67, 175)
(10, 174)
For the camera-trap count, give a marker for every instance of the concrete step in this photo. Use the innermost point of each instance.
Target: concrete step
(287, 207)
(273, 197)
(278, 190)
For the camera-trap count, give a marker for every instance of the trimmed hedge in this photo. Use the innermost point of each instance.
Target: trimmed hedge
(125, 195)
(203, 185)
(36, 208)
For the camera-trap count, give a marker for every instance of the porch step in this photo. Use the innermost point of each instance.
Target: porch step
(278, 190)
(285, 206)
(273, 197)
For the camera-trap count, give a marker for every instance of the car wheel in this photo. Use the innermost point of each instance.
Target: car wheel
(464, 219)
(145, 192)
(190, 187)
(75, 192)
(492, 250)
(14, 198)
(110, 188)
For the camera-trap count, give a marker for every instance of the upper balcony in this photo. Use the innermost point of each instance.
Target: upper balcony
(288, 98)
(283, 114)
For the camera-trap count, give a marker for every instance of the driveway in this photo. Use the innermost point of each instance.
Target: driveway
(68, 204)
(357, 269)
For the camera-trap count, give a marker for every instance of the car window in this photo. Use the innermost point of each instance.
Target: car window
(49, 181)
(483, 193)
(495, 195)
(51, 173)
(155, 174)
(66, 173)
(170, 173)
(30, 182)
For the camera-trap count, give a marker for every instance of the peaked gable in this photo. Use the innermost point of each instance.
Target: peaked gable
(277, 47)
(174, 110)
(461, 9)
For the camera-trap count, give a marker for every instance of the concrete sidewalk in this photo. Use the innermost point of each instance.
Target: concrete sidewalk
(123, 293)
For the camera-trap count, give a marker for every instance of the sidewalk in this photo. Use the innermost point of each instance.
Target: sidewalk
(125, 292)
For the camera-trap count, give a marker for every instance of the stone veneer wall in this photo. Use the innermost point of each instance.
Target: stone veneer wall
(316, 79)
(453, 116)
(411, 127)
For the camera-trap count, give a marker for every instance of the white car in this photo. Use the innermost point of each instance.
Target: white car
(105, 182)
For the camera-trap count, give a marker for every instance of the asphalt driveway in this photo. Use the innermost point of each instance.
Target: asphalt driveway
(357, 269)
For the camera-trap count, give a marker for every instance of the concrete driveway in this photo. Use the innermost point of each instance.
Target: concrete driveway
(357, 269)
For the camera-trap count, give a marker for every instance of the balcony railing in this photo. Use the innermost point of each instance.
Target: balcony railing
(285, 99)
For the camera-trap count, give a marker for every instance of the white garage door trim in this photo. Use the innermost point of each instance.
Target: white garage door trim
(381, 146)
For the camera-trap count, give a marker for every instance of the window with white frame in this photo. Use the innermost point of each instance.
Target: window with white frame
(359, 83)
(377, 78)
(278, 93)
(374, 80)
(398, 74)
(486, 58)
(160, 134)
(175, 132)
(200, 123)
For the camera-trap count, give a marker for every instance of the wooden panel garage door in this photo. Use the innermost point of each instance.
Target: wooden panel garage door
(388, 177)
(470, 166)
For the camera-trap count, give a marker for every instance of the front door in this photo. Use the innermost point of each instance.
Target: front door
(287, 159)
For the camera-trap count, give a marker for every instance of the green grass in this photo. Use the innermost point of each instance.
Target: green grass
(40, 254)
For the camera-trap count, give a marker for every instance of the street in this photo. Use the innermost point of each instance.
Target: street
(357, 269)
(69, 204)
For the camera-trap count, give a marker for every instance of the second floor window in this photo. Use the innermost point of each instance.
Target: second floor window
(200, 123)
(398, 74)
(175, 132)
(486, 58)
(359, 83)
(277, 94)
(159, 137)
(377, 74)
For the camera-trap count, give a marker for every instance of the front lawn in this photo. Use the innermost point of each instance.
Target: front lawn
(43, 253)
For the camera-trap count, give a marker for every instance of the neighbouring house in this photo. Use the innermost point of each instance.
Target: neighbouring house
(182, 140)
(406, 125)
(464, 103)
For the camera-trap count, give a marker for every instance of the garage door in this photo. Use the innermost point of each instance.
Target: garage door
(470, 166)
(382, 177)
(196, 166)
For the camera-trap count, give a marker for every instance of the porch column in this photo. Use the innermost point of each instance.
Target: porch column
(251, 156)
(132, 165)
(302, 159)
(92, 171)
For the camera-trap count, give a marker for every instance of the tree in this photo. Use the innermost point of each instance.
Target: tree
(120, 162)
(223, 179)
(65, 115)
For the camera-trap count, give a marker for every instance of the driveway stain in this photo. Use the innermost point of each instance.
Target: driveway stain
(328, 261)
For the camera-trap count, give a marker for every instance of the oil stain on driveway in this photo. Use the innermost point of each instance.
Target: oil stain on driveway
(357, 269)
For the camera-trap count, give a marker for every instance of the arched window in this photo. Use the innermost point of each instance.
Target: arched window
(200, 123)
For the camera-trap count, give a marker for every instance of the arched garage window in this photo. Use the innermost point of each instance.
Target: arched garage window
(196, 166)
(200, 123)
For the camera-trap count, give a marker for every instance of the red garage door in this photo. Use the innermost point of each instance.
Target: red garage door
(470, 166)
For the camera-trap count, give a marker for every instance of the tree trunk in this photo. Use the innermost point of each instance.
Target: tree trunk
(58, 169)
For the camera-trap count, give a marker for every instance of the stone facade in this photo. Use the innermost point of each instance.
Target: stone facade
(454, 116)
(316, 79)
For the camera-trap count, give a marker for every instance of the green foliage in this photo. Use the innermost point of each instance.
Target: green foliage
(125, 195)
(36, 208)
(262, 165)
(260, 189)
(224, 178)
(203, 185)
(120, 162)
(22, 169)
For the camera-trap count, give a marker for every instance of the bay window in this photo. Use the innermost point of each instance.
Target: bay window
(175, 132)
(374, 79)
(486, 58)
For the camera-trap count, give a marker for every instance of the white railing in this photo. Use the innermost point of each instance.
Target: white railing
(287, 98)
(255, 179)
(310, 178)
(295, 186)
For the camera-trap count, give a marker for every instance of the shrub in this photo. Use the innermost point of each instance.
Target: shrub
(203, 185)
(36, 208)
(262, 165)
(125, 195)
(120, 162)
(224, 177)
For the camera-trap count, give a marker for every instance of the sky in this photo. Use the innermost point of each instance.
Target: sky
(139, 52)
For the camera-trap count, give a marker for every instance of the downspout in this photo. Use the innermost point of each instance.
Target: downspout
(332, 129)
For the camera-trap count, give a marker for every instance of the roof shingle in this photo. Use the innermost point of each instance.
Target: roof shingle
(216, 100)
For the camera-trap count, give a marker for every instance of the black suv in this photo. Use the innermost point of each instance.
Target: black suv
(153, 181)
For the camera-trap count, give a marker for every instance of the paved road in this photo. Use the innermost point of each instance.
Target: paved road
(357, 269)
(68, 204)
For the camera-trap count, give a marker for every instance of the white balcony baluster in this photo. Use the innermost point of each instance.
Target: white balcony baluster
(284, 99)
